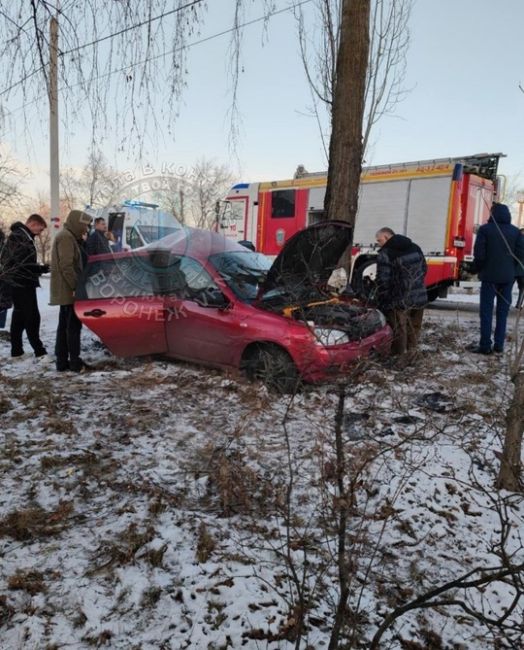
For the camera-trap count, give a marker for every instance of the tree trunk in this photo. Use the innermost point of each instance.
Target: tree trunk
(510, 463)
(345, 147)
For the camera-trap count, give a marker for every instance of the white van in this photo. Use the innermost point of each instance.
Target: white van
(135, 224)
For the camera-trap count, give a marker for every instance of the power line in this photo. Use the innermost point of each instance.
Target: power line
(127, 29)
(178, 49)
(98, 40)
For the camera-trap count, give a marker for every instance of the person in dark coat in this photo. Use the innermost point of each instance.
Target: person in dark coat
(22, 272)
(519, 277)
(97, 242)
(5, 292)
(401, 292)
(498, 250)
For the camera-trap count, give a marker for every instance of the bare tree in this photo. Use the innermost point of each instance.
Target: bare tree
(389, 42)
(208, 183)
(346, 148)
(96, 184)
(139, 46)
(191, 195)
(510, 473)
(10, 180)
(173, 197)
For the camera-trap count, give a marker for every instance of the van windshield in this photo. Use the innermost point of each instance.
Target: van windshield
(151, 233)
(244, 272)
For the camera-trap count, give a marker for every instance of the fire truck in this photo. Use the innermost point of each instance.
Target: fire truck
(438, 203)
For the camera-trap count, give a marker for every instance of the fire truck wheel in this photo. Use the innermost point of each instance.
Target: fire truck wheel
(363, 280)
(273, 366)
(433, 294)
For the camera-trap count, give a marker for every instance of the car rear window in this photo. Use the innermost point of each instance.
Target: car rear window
(120, 277)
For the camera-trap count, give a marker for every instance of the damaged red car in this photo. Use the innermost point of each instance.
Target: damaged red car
(199, 297)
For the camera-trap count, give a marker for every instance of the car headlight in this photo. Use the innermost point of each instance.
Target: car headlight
(330, 337)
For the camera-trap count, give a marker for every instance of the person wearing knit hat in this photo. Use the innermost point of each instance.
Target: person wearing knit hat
(498, 252)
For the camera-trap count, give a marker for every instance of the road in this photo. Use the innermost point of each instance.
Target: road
(464, 312)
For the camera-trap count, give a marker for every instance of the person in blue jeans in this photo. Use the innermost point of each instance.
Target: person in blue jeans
(498, 254)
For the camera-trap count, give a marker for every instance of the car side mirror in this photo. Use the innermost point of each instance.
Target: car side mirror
(212, 297)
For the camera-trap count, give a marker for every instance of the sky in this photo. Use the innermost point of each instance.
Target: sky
(464, 66)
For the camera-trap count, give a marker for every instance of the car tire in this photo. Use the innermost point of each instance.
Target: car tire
(272, 366)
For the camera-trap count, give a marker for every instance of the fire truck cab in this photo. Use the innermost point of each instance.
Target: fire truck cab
(438, 203)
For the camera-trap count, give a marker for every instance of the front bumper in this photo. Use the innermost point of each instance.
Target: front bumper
(318, 363)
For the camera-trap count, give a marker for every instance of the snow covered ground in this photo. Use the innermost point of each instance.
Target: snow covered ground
(156, 505)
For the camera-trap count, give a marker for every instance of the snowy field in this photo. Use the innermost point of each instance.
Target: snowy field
(152, 505)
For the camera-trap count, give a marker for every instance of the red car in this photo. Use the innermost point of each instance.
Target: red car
(197, 296)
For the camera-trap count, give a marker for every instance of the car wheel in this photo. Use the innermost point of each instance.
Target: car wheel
(363, 280)
(273, 366)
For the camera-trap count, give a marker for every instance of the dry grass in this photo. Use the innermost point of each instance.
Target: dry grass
(34, 523)
(59, 425)
(123, 550)
(6, 610)
(27, 580)
(233, 484)
(53, 462)
(205, 544)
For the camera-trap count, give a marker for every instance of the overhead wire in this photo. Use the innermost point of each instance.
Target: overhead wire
(165, 54)
(99, 40)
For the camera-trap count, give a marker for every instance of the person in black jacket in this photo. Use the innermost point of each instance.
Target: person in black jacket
(5, 292)
(401, 293)
(97, 242)
(498, 255)
(519, 277)
(21, 272)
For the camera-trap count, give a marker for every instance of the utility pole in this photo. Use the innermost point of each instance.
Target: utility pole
(53, 127)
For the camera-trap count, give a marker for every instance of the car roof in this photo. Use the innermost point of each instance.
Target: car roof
(193, 242)
(196, 242)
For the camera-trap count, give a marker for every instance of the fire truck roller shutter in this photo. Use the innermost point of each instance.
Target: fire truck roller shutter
(428, 213)
(416, 207)
(381, 204)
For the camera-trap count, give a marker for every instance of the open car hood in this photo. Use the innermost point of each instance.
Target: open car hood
(308, 259)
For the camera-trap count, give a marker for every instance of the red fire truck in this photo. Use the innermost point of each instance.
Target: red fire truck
(438, 203)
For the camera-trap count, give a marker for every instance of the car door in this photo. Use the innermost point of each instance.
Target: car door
(202, 323)
(116, 300)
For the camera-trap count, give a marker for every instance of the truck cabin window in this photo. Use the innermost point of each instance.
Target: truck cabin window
(283, 204)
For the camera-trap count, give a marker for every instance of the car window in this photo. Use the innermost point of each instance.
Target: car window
(158, 273)
(187, 279)
(115, 278)
(243, 271)
(133, 238)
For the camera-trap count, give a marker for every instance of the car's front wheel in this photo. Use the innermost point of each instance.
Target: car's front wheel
(273, 366)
